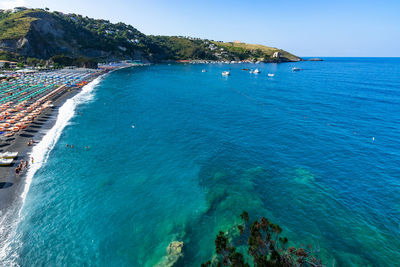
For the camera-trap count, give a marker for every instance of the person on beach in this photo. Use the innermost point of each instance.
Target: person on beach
(17, 171)
(32, 160)
(26, 164)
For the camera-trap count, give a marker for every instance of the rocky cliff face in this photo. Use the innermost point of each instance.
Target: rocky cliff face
(50, 34)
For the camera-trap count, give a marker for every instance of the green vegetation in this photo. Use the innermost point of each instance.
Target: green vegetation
(264, 246)
(15, 25)
(255, 51)
(38, 33)
(62, 60)
(178, 48)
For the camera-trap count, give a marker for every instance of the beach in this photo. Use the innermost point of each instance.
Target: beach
(12, 184)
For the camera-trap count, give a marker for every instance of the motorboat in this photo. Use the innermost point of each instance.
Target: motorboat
(8, 155)
(296, 69)
(226, 73)
(5, 162)
(203, 71)
(256, 71)
(271, 74)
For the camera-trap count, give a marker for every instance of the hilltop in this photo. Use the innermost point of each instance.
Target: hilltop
(38, 34)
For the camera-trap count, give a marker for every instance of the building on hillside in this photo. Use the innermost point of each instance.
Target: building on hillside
(11, 64)
(277, 54)
(18, 9)
(237, 42)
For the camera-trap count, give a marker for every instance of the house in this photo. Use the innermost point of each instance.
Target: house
(19, 9)
(276, 55)
(11, 64)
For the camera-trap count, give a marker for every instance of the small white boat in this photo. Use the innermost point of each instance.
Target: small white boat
(271, 75)
(296, 69)
(257, 71)
(226, 73)
(203, 71)
(5, 162)
(8, 155)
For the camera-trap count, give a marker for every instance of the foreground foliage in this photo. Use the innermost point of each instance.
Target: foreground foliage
(265, 247)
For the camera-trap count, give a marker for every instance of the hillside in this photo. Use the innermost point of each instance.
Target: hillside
(262, 52)
(40, 34)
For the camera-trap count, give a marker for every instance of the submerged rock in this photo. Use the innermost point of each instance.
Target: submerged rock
(174, 254)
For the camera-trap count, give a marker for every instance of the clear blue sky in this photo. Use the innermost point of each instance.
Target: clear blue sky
(304, 27)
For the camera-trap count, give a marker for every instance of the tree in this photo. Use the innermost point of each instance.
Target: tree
(265, 247)
(6, 65)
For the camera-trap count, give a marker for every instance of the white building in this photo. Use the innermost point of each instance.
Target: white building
(276, 55)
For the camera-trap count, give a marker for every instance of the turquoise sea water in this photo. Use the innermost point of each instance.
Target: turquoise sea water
(316, 151)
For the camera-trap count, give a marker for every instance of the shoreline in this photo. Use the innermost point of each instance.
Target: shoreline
(14, 189)
(11, 185)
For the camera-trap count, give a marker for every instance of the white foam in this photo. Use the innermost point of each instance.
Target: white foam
(9, 243)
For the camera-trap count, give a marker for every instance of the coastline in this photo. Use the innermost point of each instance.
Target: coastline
(12, 185)
(14, 188)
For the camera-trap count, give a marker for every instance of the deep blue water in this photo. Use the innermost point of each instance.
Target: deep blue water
(316, 151)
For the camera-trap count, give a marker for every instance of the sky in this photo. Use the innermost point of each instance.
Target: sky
(347, 28)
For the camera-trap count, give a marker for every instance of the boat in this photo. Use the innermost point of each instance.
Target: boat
(8, 155)
(271, 75)
(203, 71)
(245, 69)
(5, 162)
(257, 71)
(251, 71)
(296, 69)
(226, 73)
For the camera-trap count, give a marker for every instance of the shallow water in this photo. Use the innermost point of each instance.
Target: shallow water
(297, 148)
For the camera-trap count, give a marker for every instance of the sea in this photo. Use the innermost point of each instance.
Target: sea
(168, 152)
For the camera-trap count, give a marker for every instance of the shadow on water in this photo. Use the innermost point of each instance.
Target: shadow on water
(4, 185)
(228, 183)
(233, 184)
